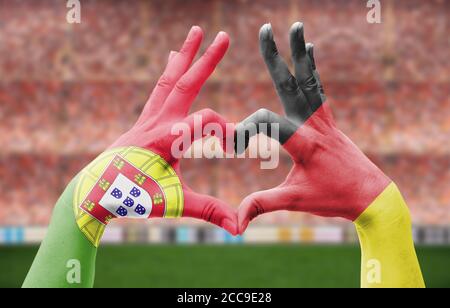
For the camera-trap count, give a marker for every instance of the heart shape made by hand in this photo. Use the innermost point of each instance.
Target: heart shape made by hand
(330, 176)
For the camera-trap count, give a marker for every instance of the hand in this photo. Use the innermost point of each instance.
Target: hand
(331, 177)
(168, 105)
(138, 176)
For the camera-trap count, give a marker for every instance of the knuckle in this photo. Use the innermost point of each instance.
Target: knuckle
(183, 87)
(270, 54)
(165, 81)
(209, 212)
(258, 209)
(263, 115)
(310, 83)
(288, 85)
(208, 113)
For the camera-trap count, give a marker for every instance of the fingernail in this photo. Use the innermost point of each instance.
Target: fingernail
(194, 30)
(172, 55)
(300, 29)
(221, 35)
(221, 38)
(267, 31)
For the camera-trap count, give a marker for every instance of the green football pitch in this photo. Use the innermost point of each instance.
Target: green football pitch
(226, 266)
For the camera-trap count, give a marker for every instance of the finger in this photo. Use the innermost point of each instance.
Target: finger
(310, 52)
(178, 65)
(304, 67)
(211, 210)
(280, 198)
(292, 98)
(208, 122)
(263, 121)
(172, 55)
(186, 89)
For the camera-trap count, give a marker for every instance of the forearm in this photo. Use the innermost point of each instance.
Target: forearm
(388, 255)
(66, 258)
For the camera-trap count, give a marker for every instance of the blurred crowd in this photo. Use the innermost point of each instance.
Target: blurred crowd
(130, 40)
(68, 91)
(71, 117)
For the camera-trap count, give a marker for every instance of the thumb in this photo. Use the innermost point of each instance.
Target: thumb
(212, 123)
(275, 199)
(172, 55)
(211, 210)
(252, 125)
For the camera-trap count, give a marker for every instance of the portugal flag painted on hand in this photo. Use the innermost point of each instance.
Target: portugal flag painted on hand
(138, 176)
(126, 183)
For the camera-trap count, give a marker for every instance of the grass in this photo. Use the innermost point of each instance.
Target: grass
(226, 266)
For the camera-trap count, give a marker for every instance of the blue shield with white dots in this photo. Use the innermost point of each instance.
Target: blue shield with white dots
(125, 199)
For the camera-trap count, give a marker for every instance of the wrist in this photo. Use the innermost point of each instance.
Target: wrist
(388, 211)
(67, 206)
(64, 246)
(385, 234)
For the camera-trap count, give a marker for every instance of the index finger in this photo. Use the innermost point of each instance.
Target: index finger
(210, 209)
(179, 63)
(180, 99)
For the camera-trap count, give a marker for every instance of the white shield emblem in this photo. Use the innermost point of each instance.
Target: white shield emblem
(126, 199)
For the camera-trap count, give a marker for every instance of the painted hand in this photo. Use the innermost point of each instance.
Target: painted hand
(139, 176)
(331, 177)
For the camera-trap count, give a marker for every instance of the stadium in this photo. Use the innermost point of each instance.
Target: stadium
(67, 91)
